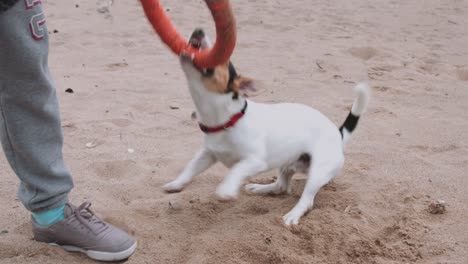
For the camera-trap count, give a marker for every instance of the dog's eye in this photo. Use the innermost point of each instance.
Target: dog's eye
(207, 72)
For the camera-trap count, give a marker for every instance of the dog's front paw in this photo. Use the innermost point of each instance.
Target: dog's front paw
(292, 218)
(174, 186)
(225, 194)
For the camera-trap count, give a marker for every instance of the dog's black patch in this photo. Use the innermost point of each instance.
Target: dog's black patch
(350, 123)
(232, 76)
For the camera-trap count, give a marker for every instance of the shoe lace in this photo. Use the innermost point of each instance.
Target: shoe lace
(87, 218)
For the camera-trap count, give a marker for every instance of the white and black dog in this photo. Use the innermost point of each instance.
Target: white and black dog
(251, 138)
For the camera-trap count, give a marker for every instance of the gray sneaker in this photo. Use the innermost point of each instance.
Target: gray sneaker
(83, 231)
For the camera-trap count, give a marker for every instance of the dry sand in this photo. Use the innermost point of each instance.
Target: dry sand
(411, 147)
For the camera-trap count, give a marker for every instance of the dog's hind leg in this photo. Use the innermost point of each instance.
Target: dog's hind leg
(320, 173)
(281, 185)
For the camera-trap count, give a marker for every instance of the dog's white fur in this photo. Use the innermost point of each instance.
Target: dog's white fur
(269, 136)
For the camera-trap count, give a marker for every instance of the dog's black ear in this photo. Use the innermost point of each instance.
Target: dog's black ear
(245, 86)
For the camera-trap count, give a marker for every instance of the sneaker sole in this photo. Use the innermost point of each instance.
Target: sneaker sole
(100, 255)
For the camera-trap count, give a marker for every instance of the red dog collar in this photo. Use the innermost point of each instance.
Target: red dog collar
(232, 122)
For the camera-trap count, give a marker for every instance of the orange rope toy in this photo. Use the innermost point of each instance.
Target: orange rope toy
(225, 32)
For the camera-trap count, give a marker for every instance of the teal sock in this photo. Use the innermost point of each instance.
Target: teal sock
(49, 217)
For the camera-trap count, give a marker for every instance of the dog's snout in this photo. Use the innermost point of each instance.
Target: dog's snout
(197, 39)
(198, 34)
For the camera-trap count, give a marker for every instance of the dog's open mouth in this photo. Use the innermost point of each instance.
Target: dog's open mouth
(198, 41)
(195, 42)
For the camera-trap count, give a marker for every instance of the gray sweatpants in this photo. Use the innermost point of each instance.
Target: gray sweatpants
(30, 129)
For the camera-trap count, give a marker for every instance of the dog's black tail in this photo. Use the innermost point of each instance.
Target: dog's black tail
(359, 107)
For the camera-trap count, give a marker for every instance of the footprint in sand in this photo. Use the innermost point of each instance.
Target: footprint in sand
(364, 53)
(207, 210)
(256, 210)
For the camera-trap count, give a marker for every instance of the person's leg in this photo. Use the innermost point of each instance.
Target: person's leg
(31, 137)
(30, 129)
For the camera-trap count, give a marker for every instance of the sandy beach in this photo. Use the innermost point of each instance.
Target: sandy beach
(128, 130)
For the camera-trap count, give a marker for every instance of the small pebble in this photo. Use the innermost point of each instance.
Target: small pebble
(346, 210)
(130, 150)
(90, 145)
(55, 31)
(69, 90)
(174, 107)
(2, 232)
(437, 207)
